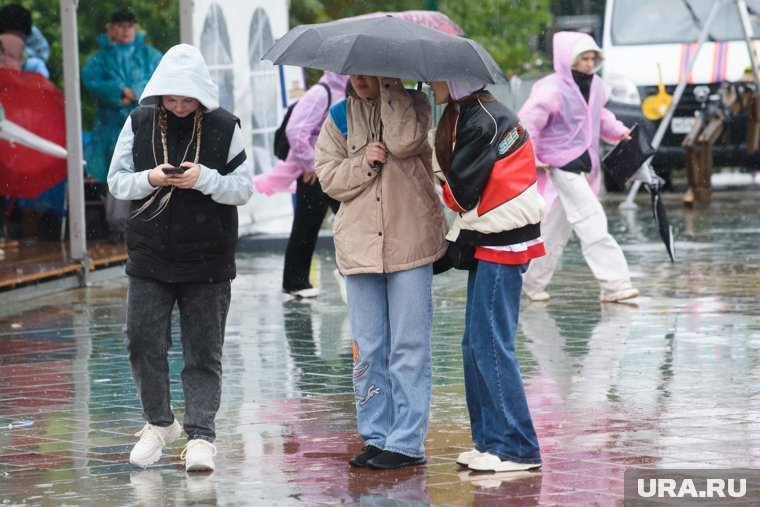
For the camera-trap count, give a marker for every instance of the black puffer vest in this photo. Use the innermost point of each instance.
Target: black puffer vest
(194, 238)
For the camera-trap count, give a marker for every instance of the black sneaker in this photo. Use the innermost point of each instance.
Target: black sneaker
(389, 459)
(360, 460)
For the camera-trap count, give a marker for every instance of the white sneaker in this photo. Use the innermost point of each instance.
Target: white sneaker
(466, 457)
(310, 292)
(620, 295)
(152, 439)
(199, 455)
(492, 463)
(341, 285)
(539, 297)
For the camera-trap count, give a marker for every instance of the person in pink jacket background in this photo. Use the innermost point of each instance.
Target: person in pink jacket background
(296, 174)
(565, 117)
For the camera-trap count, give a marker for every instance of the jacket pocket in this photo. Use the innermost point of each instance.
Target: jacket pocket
(357, 143)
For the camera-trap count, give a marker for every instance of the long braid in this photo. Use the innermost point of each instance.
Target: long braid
(198, 127)
(163, 128)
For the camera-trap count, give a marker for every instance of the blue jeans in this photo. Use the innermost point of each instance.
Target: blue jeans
(391, 318)
(499, 417)
(203, 311)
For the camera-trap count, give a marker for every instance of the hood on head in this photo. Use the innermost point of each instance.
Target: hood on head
(566, 48)
(182, 72)
(460, 89)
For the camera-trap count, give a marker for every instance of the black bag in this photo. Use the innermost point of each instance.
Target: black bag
(626, 157)
(281, 143)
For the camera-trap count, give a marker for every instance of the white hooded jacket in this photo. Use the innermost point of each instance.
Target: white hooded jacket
(182, 72)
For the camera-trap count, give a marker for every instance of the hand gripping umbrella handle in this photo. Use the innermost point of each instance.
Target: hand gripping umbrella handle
(377, 165)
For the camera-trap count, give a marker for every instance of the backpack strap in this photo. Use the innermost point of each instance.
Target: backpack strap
(329, 96)
(338, 115)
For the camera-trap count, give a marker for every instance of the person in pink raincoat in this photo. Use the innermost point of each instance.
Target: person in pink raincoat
(565, 117)
(296, 173)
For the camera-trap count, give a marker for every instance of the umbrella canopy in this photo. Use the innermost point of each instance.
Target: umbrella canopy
(34, 104)
(432, 19)
(9, 131)
(385, 46)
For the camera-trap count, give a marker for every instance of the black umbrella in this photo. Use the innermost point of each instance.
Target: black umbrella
(630, 158)
(388, 47)
(660, 217)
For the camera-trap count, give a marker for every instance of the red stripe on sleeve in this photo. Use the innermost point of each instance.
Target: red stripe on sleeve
(509, 178)
(448, 199)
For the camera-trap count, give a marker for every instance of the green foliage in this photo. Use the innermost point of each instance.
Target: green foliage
(159, 19)
(507, 29)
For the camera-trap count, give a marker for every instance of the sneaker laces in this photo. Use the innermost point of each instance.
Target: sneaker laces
(195, 443)
(149, 431)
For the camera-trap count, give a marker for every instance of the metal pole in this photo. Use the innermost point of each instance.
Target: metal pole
(186, 21)
(77, 235)
(643, 172)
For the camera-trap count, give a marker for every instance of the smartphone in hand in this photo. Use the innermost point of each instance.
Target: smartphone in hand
(173, 170)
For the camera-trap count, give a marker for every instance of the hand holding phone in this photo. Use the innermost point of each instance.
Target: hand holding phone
(173, 170)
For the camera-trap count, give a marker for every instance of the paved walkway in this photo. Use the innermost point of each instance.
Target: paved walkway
(669, 382)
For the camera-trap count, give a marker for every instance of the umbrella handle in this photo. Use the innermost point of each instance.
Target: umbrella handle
(377, 165)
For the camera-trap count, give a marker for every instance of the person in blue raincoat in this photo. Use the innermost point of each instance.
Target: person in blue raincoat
(115, 75)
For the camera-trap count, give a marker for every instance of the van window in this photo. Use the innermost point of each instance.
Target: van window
(676, 21)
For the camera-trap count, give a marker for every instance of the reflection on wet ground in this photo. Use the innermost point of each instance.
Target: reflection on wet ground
(668, 382)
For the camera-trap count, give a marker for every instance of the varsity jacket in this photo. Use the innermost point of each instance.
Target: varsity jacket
(492, 180)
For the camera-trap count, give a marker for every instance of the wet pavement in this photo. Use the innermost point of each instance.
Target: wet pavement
(668, 382)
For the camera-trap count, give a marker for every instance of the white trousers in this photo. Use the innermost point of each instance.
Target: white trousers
(578, 210)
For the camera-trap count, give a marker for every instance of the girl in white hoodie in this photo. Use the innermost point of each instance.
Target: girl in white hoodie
(180, 159)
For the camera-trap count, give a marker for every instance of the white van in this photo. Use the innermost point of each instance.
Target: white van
(639, 34)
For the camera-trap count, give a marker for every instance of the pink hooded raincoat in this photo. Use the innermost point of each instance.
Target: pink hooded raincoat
(302, 131)
(561, 124)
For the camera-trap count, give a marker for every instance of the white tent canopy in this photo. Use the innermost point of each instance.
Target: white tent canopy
(232, 36)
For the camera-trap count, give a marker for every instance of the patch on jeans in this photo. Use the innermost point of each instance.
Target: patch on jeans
(373, 390)
(359, 370)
